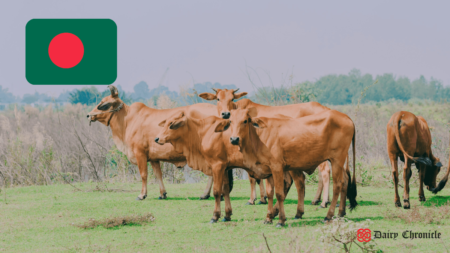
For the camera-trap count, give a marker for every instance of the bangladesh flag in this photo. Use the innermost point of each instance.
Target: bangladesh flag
(71, 51)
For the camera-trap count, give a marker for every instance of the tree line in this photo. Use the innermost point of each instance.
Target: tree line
(329, 89)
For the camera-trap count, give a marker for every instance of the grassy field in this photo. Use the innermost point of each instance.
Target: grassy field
(42, 219)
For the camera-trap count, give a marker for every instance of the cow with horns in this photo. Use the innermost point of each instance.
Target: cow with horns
(226, 101)
(134, 128)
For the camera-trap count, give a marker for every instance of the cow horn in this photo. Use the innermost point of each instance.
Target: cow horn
(214, 90)
(234, 91)
(114, 91)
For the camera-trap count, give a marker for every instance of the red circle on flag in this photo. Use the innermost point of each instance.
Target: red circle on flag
(66, 50)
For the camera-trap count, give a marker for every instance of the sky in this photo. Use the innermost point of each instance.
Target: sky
(223, 41)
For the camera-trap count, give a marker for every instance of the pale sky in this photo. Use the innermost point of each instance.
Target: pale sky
(214, 40)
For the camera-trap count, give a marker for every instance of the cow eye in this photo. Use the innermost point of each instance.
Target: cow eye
(218, 99)
(245, 121)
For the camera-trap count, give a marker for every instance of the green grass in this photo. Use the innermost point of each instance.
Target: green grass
(40, 218)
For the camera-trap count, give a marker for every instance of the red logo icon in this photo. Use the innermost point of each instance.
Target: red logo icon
(364, 235)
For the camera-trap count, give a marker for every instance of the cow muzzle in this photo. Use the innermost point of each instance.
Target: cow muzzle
(226, 115)
(159, 141)
(91, 118)
(234, 140)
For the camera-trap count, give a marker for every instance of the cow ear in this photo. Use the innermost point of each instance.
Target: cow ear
(252, 112)
(258, 123)
(222, 126)
(207, 96)
(162, 123)
(239, 95)
(177, 124)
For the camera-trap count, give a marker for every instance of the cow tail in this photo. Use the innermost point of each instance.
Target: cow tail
(230, 179)
(351, 189)
(441, 184)
(397, 137)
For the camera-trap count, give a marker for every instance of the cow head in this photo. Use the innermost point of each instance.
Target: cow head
(172, 128)
(240, 122)
(431, 176)
(225, 100)
(104, 110)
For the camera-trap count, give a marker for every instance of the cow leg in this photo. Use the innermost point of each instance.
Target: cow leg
(422, 170)
(406, 174)
(226, 194)
(252, 191)
(299, 180)
(287, 186)
(394, 167)
(206, 193)
(326, 185)
(342, 204)
(316, 199)
(141, 160)
(337, 170)
(156, 166)
(270, 192)
(218, 175)
(262, 193)
(278, 178)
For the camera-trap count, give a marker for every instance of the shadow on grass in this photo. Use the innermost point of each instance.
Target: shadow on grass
(437, 201)
(244, 199)
(318, 220)
(308, 202)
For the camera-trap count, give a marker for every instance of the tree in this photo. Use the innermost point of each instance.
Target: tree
(6, 96)
(85, 96)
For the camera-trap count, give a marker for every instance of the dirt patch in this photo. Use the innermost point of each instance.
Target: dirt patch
(118, 221)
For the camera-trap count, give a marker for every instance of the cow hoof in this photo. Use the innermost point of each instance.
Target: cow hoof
(225, 219)
(422, 198)
(406, 204)
(298, 217)
(164, 196)
(268, 222)
(213, 221)
(249, 204)
(322, 206)
(279, 225)
(262, 203)
(398, 204)
(342, 215)
(326, 220)
(315, 202)
(138, 199)
(205, 197)
(143, 197)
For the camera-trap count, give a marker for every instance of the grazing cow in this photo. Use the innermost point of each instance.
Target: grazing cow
(225, 103)
(409, 138)
(298, 145)
(134, 128)
(207, 149)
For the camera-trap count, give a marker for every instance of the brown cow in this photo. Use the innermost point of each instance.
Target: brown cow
(225, 103)
(409, 138)
(134, 128)
(298, 145)
(209, 151)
